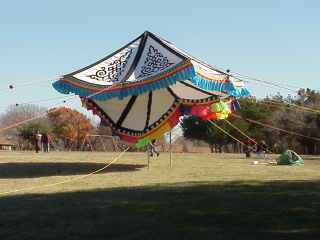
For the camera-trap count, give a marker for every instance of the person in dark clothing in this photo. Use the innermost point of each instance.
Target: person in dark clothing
(249, 146)
(261, 149)
(45, 143)
(247, 150)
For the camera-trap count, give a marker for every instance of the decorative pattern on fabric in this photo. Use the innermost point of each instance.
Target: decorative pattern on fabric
(154, 62)
(109, 70)
(179, 73)
(112, 72)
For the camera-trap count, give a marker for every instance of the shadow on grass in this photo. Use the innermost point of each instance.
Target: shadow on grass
(42, 169)
(210, 210)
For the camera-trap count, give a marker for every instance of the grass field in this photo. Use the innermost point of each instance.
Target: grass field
(203, 196)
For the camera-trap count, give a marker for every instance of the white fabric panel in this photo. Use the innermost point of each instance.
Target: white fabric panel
(182, 52)
(136, 118)
(237, 83)
(196, 62)
(161, 103)
(199, 68)
(154, 60)
(112, 70)
(113, 107)
(185, 92)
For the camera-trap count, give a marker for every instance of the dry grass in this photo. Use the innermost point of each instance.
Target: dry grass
(20, 170)
(204, 196)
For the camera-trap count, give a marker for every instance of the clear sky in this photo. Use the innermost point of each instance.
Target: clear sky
(275, 40)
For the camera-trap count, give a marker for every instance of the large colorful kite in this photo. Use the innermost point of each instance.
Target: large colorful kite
(143, 89)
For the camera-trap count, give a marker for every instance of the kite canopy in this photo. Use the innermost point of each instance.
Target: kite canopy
(143, 65)
(142, 89)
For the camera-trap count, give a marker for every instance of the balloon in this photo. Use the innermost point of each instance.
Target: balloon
(200, 110)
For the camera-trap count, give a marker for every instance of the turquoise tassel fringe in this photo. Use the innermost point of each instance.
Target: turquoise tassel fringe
(187, 73)
(66, 88)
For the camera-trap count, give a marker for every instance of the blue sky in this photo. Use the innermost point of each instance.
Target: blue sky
(271, 40)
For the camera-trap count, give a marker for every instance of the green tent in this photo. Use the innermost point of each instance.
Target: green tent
(290, 157)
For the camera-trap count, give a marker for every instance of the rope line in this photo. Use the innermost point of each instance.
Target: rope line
(41, 115)
(64, 98)
(251, 139)
(275, 128)
(265, 81)
(239, 130)
(240, 76)
(265, 84)
(13, 86)
(68, 180)
(290, 105)
(224, 131)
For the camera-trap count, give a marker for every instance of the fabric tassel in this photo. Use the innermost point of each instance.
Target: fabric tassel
(168, 79)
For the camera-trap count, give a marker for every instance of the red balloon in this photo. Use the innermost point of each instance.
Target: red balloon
(209, 116)
(201, 110)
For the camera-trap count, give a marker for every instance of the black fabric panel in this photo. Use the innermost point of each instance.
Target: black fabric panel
(149, 110)
(137, 57)
(126, 110)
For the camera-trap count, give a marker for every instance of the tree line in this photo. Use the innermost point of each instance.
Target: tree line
(296, 115)
(67, 127)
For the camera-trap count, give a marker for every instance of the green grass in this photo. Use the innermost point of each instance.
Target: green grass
(204, 196)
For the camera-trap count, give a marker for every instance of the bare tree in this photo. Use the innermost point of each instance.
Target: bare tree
(303, 118)
(18, 113)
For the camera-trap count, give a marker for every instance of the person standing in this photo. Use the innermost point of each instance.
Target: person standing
(262, 149)
(44, 140)
(49, 141)
(37, 139)
(249, 146)
(152, 148)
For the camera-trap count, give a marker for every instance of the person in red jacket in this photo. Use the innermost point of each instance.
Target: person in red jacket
(49, 141)
(249, 147)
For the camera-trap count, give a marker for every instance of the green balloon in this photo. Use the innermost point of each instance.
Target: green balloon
(142, 142)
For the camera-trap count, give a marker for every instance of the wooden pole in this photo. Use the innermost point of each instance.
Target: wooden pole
(115, 146)
(83, 142)
(90, 144)
(148, 157)
(170, 150)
